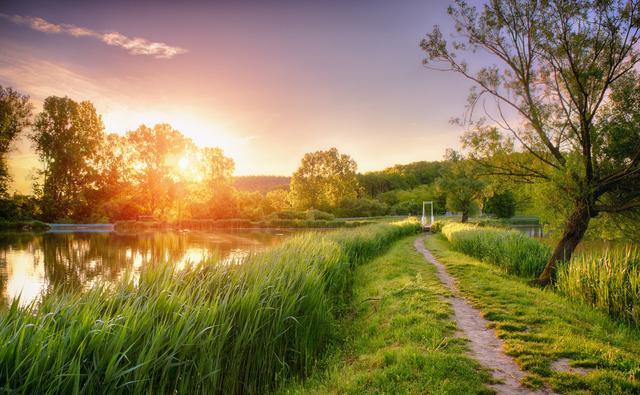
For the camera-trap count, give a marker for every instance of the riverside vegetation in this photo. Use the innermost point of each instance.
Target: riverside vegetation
(609, 280)
(208, 328)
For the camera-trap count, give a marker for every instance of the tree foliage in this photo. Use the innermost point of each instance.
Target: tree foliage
(67, 137)
(323, 180)
(557, 63)
(15, 116)
(462, 188)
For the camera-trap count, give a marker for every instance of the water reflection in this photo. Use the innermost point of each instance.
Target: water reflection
(34, 263)
(530, 230)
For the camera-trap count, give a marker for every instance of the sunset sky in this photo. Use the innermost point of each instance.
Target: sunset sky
(265, 80)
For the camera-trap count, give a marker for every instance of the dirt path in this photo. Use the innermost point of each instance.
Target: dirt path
(485, 347)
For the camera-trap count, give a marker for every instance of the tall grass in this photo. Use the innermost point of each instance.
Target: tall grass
(511, 250)
(210, 328)
(608, 280)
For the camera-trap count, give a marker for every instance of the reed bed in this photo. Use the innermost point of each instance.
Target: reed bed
(511, 250)
(608, 280)
(209, 328)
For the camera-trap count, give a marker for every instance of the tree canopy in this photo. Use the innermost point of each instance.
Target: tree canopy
(15, 116)
(558, 66)
(324, 179)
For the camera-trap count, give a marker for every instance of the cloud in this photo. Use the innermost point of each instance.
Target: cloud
(133, 45)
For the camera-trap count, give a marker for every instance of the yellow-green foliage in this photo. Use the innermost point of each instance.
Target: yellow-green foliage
(609, 280)
(513, 251)
(211, 328)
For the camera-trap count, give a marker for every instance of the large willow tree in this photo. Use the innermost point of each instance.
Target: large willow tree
(554, 65)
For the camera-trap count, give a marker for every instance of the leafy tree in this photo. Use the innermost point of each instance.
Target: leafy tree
(323, 180)
(557, 63)
(222, 199)
(155, 154)
(67, 137)
(461, 186)
(502, 205)
(278, 200)
(15, 115)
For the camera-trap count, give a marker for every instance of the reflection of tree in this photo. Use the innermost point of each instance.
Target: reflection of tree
(12, 241)
(77, 260)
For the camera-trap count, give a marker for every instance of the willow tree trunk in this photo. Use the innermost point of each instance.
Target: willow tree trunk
(465, 217)
(576, 226)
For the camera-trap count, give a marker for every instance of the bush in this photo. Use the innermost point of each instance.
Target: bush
(511, 250)
(609, 281)
(502, 205)
(211, 328)
(361, 208)
(288, 214)
(409, 207)
(437, 226)
(318, 215)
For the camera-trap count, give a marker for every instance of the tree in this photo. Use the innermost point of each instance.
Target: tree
(502, 205)
(67, 137)
(155, 154)
(323, 180)
(15, 115)
(461, 186)
(219, 193)
(278, 200)
(558, 62)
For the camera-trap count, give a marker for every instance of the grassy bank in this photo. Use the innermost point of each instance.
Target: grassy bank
(131, 226)
(511, 250)
(399, 335)
(608, 280)
(541, 326)
(207, 329)
(23, 225)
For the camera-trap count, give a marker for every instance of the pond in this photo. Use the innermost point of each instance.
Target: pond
(31, 263)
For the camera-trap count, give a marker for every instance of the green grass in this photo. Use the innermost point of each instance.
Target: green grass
(399, 335)
(540, 326)
(608, 280)
(511, 250)
(210, 328)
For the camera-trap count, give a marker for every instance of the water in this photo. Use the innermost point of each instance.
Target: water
(530, 230)
(31, 264)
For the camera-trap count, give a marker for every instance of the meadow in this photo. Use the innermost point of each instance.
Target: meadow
(209, 328)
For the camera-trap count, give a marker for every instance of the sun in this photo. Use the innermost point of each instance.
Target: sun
(189, 166)
(185, 162)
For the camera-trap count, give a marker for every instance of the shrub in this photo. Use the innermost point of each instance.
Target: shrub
(361, 208)
(318, 215)
(211, 328)
(502, 205)
(608, 280)
(511, 250)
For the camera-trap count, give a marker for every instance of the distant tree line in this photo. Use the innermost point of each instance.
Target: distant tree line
(157, 173)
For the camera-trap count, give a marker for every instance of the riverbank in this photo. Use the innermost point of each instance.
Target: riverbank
(27, 226)
(398, 335)
(566, 345)
(208, 328)
(204, 224)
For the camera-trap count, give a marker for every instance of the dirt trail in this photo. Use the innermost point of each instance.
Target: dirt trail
(485, 347)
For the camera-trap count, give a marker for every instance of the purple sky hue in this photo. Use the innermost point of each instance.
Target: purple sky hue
(265, 80)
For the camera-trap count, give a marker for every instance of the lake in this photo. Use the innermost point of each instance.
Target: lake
(32, 263)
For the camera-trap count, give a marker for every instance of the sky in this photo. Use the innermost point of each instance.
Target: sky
(267, 80)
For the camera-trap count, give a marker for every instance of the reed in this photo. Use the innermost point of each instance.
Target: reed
(608, 280)
(511, 250)
(210, 328)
